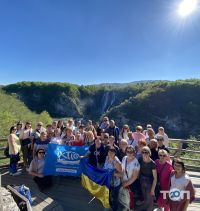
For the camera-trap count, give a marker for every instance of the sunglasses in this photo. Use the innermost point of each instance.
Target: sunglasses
(14, 129)
(159, 139)
(145, 152)
(39, 125)
(162, 155)
(41, 152)
(129, 151)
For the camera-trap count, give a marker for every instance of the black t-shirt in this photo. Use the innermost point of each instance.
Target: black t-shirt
(146, 168)
(121, 154)
(163, 147)
(97, 155)
(154, 154)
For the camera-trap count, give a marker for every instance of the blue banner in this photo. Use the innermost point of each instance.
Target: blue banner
(63, 160)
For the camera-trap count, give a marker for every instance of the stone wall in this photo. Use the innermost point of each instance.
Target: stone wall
(7, 202)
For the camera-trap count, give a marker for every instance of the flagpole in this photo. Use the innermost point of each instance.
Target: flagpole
(91, 200)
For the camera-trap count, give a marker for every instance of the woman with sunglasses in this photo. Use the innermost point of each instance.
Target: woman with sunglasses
(112, 163)
(180, 181)
(36, 169)
(138, 134)
(148, 179)
(14, 149)
(130, 170)
(164, 170)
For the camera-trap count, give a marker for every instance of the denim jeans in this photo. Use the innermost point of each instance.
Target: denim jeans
(13, 163)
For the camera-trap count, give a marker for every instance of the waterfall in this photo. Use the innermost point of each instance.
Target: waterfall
(107, 101)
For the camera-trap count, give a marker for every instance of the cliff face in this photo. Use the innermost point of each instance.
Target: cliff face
(174, 105)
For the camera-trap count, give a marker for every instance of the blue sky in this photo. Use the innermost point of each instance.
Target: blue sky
(97, 41)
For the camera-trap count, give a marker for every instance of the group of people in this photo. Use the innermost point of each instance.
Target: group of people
(140, 160)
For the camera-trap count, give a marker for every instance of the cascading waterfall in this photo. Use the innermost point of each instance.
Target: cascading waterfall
(107, 101)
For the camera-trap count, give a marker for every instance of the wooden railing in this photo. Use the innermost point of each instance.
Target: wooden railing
(191, 157)
(2, 140)
(192, 163)
(4, 161)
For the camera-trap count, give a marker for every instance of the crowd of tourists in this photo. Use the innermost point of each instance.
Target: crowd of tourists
(140, 159)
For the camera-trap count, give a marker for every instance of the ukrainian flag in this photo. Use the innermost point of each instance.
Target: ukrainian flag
(96, 181)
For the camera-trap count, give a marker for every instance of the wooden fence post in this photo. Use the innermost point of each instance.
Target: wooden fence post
(177, 154)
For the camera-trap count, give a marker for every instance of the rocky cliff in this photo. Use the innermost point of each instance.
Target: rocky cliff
(174, 105)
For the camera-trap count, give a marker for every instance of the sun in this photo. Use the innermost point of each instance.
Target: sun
(186, 7)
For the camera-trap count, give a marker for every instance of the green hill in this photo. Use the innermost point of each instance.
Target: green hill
(174, 105)
(12, 110)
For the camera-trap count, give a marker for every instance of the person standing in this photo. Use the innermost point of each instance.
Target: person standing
(14, 149)
(148, 179)
(124, 132)
(105, 124)
(164, 170)
(19, 128)
(153, 145)
(96, 154)
(180, 180)
(25, 138)
(112, 163)
(113, 130)
(130, 169)
(161, 132)
(122, 149)
(138, 134)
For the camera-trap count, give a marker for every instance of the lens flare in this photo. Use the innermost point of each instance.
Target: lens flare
(186, 7)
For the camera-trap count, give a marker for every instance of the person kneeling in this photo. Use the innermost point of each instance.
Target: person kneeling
(36, 169)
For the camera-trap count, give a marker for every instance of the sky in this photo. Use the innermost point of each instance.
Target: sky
(97, 41)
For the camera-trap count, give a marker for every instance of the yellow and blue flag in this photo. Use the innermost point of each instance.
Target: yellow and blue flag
(96, 181)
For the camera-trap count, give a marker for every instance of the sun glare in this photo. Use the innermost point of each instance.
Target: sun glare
(186, 7)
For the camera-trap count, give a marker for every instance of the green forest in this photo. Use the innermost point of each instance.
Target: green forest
(12, 110)
(173, 104)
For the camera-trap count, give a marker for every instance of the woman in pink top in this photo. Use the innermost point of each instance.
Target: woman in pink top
(138, 134)
(164, 169)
